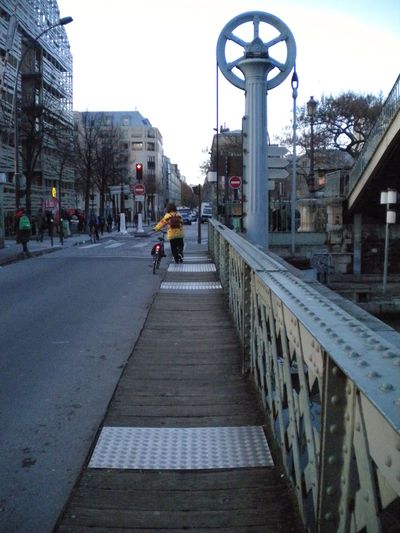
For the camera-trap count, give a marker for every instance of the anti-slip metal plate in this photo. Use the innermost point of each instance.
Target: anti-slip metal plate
(190, 285)
(181, 448)
(194, 258)
(182, 267)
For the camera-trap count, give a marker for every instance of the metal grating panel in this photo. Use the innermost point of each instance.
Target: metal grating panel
(181, 448)
(195, 258)
(173, 267)
(191, 285)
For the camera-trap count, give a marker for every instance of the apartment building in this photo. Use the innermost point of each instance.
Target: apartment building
(137, 141)
(35, 102)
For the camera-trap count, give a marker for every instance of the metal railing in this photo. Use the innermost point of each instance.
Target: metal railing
(390, 109)
(329, 385)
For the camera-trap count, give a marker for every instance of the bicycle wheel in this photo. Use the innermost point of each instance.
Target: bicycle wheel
(155, 262)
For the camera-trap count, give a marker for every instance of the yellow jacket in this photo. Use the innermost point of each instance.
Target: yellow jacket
(172, 233)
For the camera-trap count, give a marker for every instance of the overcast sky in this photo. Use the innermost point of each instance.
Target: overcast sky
(159, 58)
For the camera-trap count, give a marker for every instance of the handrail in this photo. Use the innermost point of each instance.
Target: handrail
(389, 110)
(329, 384)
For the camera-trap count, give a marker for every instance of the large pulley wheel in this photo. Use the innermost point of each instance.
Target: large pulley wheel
(256, 47)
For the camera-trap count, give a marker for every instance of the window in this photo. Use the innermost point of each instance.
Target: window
(151, 147)
(151, 163)
(138, 145)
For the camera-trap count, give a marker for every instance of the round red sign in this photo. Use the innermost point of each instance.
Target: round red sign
(139, 189)
(235, 182)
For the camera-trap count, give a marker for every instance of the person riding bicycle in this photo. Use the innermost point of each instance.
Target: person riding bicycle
(175, 234)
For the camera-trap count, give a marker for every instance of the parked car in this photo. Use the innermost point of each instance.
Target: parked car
(185, 214)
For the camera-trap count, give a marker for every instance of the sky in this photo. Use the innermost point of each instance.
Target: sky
(159, 57)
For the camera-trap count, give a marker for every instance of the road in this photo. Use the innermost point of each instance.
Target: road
(69, 322)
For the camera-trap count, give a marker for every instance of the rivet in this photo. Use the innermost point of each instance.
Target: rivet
(335, 399)
(333, 428)
(330, 490)
(328, 516)
(335, 370)
(348, 389)
(373, 374)
(366, 496)
(386, 387)
(358, 427)
(345, 449)
(331, 459)
(388, 461)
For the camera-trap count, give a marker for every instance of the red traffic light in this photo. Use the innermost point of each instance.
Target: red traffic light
(139, 171)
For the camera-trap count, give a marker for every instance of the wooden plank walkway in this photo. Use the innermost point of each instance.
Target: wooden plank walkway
(185, 372)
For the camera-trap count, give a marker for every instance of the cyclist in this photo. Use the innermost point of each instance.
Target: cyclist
(174, 221)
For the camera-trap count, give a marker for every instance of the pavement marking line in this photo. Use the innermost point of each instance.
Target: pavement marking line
(115, 245)
(197, 448)
(94, 245)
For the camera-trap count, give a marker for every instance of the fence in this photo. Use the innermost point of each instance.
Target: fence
(329, 385)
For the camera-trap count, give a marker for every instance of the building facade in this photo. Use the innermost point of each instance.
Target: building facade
(137, 142)
(36, 102)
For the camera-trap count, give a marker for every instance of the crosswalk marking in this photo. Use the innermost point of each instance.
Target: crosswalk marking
(115, 245)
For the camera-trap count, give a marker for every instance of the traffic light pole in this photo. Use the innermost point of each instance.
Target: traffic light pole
(199, 217)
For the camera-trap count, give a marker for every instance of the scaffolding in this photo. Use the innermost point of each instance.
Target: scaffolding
(38, 72)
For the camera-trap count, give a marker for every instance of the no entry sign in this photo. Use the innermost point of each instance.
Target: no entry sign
(235, 182)
(139, 189)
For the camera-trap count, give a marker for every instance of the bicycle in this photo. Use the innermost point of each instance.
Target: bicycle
(158, 252)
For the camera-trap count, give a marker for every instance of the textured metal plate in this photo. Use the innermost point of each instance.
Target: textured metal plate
(190, 285)
(181, 448)
(173, 267)
(196, 258)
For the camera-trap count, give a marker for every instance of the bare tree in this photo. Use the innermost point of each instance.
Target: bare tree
(341, 122)
(109, 167)
(60, 154)
(86, 143)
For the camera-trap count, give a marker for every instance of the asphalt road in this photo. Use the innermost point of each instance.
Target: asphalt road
(68, 323)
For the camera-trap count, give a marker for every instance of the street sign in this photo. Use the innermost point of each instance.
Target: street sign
(273, 150)
(277, 162)
(235, 182)
(277, 174)
(139, 189)
(116, 189)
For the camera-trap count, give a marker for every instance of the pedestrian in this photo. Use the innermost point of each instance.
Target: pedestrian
(102, 223)
(42, 226)
(24, 231)
(109, 223)
(175, 233)
(94, 224)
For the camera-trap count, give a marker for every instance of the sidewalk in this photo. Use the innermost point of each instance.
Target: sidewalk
(182, 446)
(13, 252)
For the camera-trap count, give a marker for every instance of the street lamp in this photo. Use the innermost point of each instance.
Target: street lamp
(389, 198)
(295, 85)
(311, 110)
(62, 22)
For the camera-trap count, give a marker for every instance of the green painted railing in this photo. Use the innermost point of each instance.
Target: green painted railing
(330, 386)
